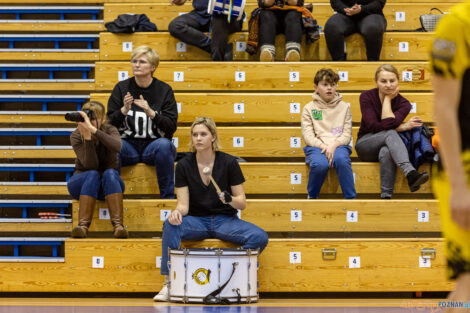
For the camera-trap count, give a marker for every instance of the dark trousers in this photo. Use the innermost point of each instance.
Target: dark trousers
(339, 26)
(188, 29)
(273, 22)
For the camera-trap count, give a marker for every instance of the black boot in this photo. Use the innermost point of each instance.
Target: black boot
(415, 179)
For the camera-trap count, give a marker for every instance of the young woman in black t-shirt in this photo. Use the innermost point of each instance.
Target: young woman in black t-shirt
(202, 212)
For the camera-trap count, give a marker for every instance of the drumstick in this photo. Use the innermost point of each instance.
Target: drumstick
(207, 172)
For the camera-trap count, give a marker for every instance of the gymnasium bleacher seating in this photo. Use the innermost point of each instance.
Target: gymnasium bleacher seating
(56, 56)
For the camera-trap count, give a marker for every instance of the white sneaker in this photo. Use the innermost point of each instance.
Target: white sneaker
(163, 295)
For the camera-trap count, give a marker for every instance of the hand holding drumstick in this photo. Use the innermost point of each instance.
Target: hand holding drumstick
(224, 196)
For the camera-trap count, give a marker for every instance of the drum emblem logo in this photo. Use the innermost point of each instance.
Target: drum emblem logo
(202, 276)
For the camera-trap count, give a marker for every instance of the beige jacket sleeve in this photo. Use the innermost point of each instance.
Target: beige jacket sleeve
(345, 138)
(308, 129)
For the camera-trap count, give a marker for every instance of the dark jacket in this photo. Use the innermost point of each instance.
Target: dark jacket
(367, 6)
(130, 23)
(419, 146)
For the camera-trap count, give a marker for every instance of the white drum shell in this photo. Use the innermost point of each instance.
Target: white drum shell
(245, 277)
(223, 7)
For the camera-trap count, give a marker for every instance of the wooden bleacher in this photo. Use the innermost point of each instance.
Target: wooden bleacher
(374, 216)
(46, 47)
(162, 13)
(51, 18)
(396, 240)
(257, 107)
(262, 178)
(259, 76)
(397, 46)
(292, 215)
(131, 266)
(246, 142)
(42, 76)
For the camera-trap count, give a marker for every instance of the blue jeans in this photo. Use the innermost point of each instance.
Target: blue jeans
(160, 153)
(196, 228)
(319, 168)
(90, 183)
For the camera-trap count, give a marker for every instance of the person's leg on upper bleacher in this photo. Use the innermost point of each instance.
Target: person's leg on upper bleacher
(220, 30)
(337, 28)
(188, 29)
(372, 28)
(293, 32)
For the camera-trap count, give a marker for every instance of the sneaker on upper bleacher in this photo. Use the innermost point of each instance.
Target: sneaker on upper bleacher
(267, 53)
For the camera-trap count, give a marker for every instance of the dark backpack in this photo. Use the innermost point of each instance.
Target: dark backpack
(130, 23)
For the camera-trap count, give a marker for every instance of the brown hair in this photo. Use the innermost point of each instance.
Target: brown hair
(387, 68)
(326, 74)
(99, 110)
(210, 124)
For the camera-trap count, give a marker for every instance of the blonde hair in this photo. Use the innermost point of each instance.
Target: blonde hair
(387, 68)
(149, 53)
(210, 124)
(99, 110)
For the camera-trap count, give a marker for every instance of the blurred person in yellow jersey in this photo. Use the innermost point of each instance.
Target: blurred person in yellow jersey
(450, 64)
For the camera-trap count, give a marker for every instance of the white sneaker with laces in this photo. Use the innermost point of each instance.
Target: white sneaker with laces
(163, 295)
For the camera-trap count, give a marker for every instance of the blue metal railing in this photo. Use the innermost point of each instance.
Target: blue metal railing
(25, 205)
(45, 101)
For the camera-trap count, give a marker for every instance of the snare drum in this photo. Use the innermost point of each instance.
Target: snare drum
(227, 7)
(195, 273)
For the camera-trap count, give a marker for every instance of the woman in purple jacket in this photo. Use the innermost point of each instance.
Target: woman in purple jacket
(383, 113)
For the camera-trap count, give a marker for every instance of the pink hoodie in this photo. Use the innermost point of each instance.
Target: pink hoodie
(326, 122)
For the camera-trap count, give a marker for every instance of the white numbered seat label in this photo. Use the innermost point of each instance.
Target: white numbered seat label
(295, 257)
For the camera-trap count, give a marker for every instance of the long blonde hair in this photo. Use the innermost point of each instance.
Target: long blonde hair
(210, 124)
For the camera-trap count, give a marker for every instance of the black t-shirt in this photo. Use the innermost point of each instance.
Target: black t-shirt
(204, 200)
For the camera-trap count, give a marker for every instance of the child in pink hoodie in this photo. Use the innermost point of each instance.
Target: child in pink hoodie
(327, 131)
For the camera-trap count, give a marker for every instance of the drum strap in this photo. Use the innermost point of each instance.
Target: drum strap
(212, 299)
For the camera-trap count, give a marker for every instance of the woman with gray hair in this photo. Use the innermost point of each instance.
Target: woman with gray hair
(144, 110)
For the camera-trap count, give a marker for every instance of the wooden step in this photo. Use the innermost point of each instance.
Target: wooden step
(261, 178)
(234, 107)
(397, 46)
(245, 142)
(400, 16)
(323, 265)
(274, 215)
(259, 76)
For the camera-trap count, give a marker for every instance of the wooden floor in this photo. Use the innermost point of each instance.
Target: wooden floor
(59, 305)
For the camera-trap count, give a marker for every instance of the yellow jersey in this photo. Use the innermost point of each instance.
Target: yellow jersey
(450, 58)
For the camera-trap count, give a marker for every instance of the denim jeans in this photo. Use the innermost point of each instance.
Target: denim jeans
(319, 168)
(160, 153)
(90, 183)
(196, 228)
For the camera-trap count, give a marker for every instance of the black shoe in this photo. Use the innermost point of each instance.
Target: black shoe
(228, 56)
(415, 179)
(386, 198)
